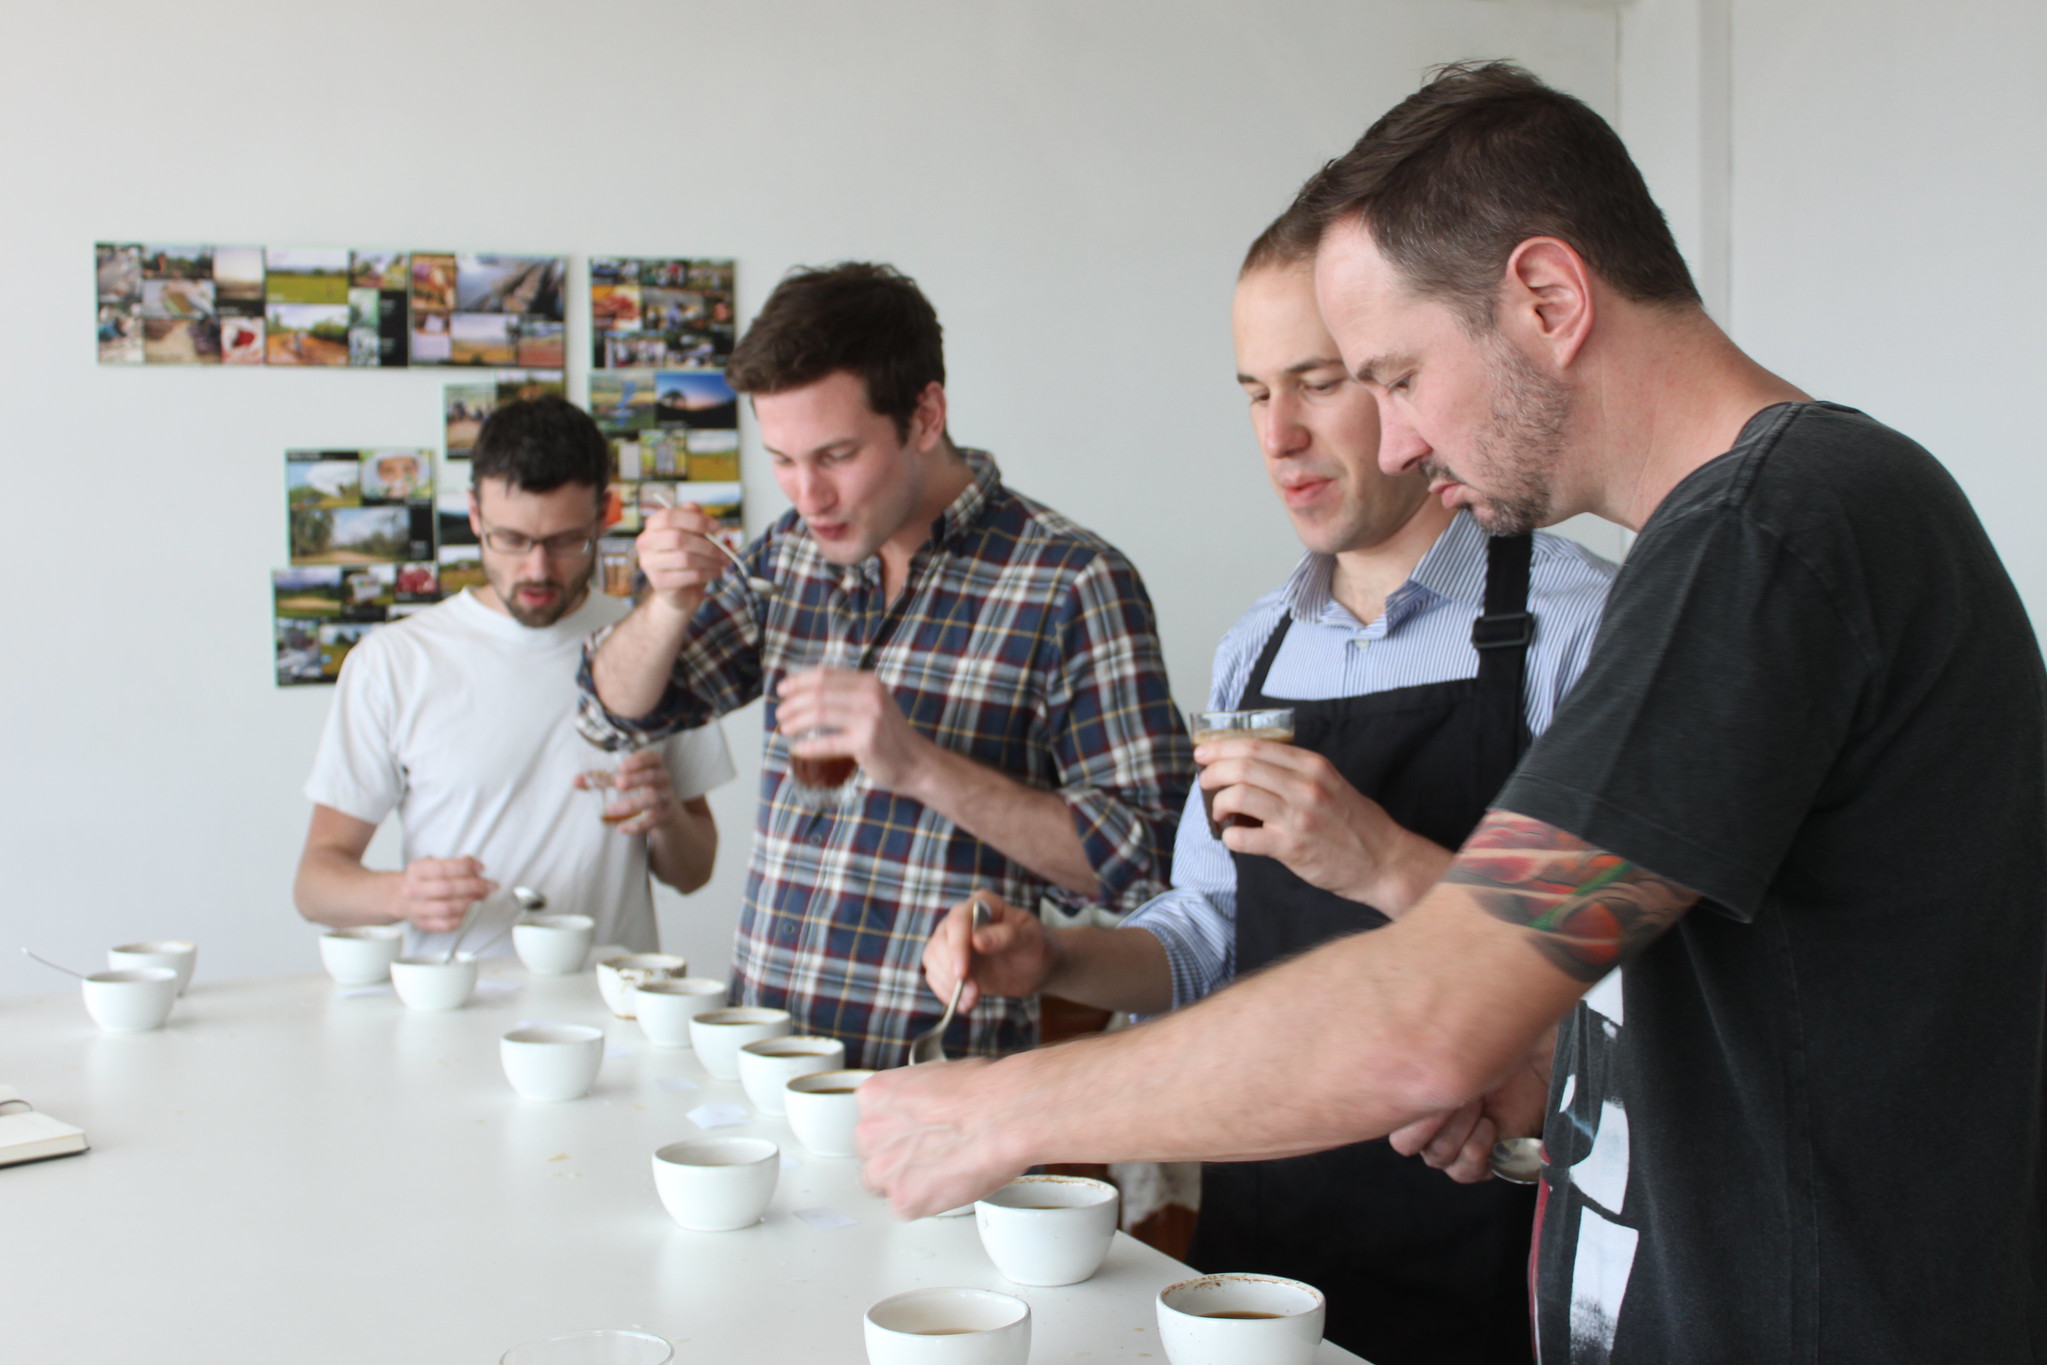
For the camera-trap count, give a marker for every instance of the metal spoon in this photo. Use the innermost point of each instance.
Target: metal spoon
(929, 1046)
(530, 901)
(1518, 1161)
(762, 588)
(58, 965)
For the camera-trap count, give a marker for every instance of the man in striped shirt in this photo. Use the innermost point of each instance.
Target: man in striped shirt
(1403, 731)
(992, 669)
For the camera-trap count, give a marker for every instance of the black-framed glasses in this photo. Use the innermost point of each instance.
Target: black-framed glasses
(563, 545)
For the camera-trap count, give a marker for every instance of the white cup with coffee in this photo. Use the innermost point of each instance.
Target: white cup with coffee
(616, 977)
(428, 983)
(554, 945)
(1045, 1230)
(824, 1109)
(1240, 1320)
(765, 1067)
(949, 1327)
(664, 1008)
(361, 956)
(176, 953)
(131, 999)
(717, 1184)
(552, 1061)
(717, 1035)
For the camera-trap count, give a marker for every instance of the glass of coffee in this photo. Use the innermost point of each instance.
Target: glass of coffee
(1274, 724)
(824, 776)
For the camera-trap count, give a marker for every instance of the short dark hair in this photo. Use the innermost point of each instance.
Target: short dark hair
(540, 444)
(868, 319)
(1288, 241)
(1482, 158)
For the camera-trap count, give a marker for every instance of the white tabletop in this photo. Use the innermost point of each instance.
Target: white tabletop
(289, 1171)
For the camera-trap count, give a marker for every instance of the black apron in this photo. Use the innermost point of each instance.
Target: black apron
(1417, 1269)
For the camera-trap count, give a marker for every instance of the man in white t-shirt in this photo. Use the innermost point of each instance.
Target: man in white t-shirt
(461, 719)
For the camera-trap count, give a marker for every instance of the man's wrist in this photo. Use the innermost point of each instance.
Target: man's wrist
(1409, 871)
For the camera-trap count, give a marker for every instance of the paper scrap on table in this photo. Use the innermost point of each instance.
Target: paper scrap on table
(824, 1220)
(497, 987)
(676, 1084)
(790, 1163)
(718, 1115)
(612, 1050)
(367, 990)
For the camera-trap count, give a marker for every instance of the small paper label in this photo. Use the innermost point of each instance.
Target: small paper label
(366, 990)
(612, 1050)
(718, 1115)
(824, 1220)
(676, 1084)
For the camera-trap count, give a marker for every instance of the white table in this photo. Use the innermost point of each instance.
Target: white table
(288, 1172)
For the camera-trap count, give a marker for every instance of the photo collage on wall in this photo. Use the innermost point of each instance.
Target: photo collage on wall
(376, 535)
(662, 332)
(205, 305)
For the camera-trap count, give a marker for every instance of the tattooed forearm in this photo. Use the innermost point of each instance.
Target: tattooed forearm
(1589, 911)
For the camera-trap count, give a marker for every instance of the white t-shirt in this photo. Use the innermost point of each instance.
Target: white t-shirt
(462, 720)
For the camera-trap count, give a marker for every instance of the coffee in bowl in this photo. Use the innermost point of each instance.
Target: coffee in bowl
(1046, 1230)
(717, 1035)
(1240, 1319)
(768, 1065)
(981, 1327)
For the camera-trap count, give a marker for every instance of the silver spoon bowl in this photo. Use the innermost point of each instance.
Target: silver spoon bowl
(929, 1046)
(761, 588)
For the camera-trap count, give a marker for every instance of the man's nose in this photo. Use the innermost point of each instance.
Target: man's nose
(1280, 432)
(814, 493)
(1401, 446)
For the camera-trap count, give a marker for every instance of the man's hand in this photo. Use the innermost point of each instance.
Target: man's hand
(676, 557)
(435, 893)
(646, 792)
(850, 712)
(921, 1140)
(1324, 830)
(1013, 954)
(1460, 1143)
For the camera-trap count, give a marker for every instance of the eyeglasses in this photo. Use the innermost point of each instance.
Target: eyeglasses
(566, 545)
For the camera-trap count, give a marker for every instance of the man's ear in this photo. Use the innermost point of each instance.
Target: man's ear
(1546, 302)
(927, 423)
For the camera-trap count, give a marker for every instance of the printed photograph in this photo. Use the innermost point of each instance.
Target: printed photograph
(397, 476)
(721, 500)
(513, 384)
(180, 341)
(368, 592)
(622, 508)
(615, 307)
(714, 456)
(305, 275)
(380, 270)
(298, 651)
(177, 262)
(307, 591)
(655, 496)
(664, 273)
(336, 639)
(663, 456)
(542, 345)
(635, 350)
(617, 563)
(307, 333)
(711, 275)
(177, 298)
(510, 284)
(241, 341)
(622, 400)
(625, 458)
(433, 282)
(451, 505)
(351, 535)
(695, 398)
(461, 567)
(405, 609)
(365, 348)
(118, 269)
(322, 478)
(120, 335)
(364, 307)
(429, 343)
(672, 310)
(238, 287)
(481, 339)
(614, 270)
(464, 406)
(417, 583)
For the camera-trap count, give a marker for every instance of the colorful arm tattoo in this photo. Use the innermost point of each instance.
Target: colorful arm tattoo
(1589, 910)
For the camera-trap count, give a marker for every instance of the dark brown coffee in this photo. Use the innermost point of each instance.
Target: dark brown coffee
(824, 774)
(1242, 1313)
(833, 1090)
(1278, 734)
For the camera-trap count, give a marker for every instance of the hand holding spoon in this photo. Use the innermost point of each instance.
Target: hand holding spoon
(929, 1046)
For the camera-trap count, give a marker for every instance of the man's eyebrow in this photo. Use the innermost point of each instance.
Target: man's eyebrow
(1369, 372)
(1299, 367)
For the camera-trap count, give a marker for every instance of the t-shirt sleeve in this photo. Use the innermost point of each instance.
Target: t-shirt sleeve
(1720, 691)
(698, 760)
(358, 770)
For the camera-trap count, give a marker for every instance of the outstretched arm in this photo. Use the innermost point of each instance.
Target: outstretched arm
(1363, 1036)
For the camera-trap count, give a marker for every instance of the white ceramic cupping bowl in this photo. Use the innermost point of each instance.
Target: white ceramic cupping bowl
(361, 957)
(176, 953)
(949, 1327)
(616, 977)
(131, 1000)
(664, 1008)
(717, 1184)
(824, 1109)
(1193, 1336)
(1048, 1229)
(552, 1061)
(554, 945)
(427, 983)
(767, 1066)
(608, 1347)
(717, 1035)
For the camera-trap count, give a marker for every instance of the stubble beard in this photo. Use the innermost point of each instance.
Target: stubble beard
(1519, 446)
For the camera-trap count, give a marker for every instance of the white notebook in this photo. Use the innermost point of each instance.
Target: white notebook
(26, 1135)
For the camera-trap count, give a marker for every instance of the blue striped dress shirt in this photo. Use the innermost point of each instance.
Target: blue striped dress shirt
(1423, 636)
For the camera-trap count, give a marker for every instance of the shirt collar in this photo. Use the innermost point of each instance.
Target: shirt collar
(1453, 568)
(948, 526)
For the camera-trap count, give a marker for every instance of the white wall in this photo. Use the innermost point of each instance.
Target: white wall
(1073, 183)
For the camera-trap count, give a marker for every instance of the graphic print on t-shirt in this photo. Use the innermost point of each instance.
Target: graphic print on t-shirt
(1590, 1146)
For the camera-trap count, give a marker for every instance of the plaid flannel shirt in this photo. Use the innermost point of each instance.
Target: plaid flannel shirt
(1020, 640)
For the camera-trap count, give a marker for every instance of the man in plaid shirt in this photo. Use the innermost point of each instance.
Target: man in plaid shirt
(993, 668)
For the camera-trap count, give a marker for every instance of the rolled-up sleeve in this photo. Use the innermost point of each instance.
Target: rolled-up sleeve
(718, 670)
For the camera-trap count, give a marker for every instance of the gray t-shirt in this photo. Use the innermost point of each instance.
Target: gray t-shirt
(1806, 1124)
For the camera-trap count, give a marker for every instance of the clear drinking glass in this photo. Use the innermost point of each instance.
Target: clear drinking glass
(1276, 724)
(610, 1346)
(824, 778)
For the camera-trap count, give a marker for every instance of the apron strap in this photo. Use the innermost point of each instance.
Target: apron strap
(1254, 686)
(1502, 635)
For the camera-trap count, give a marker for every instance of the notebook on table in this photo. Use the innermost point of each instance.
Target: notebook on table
(27, 1134)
